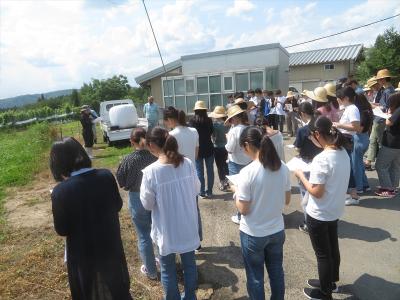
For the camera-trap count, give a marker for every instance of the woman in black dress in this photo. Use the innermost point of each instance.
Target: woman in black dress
(85, 207)
(87, 130)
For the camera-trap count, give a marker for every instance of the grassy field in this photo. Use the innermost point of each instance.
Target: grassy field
(31, 253)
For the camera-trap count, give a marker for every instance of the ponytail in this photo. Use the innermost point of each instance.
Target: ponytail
(256, 138)
(176, 114)
(181, 118)
(167, 143)
(171, 151)
(330, 133)
(138, 136)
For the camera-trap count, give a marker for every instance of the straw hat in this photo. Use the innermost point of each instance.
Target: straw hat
(319, 94)
(330, 89)
(366, 88)
(233, 111)
(239, 100)
(304, 93)
(290, 94)
(398, 88)
(219, 112)
(371, 82)
(250, 105)
(384, 73)
(200, 105)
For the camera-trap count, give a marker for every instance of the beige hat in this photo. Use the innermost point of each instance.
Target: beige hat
(290, 94)
(398, 88)
(384, 73)
(219, 112)
(366, 88)
(304, 93)
(371, 82)
(200, 105)
(233, 111)
(319, 94)
(239, 100)
(330, 89)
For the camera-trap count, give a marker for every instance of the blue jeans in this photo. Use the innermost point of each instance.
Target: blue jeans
(210, 174)
(258, 251)
(142, 220)
(169, 277)
(151, 124)
(234, 169)
(361, 142)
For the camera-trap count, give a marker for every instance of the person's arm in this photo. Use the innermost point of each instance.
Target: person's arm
(121, 174)
(316, 190)
(288, 195)
(243, 194)
(147, 194)
(196, 151)
(288, 186)
(243, 206)
(393, 118)
(231, 141)
(353, 126)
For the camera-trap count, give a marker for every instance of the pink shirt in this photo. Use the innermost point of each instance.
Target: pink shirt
(332, 115)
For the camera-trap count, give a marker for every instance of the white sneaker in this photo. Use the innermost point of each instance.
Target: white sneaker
(352, 201)
(235, 219)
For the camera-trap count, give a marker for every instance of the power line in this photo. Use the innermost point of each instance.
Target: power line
(341, 32)
(158, 48)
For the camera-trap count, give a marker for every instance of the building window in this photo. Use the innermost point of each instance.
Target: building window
(271, 76)
(242, 82)
(256, 80)
(329, 66)
(180, 102)
(168, 89)
(190, 101)
(168, 101)
(228, 83)
(215, 100)
(215, 84)
(179, 87)
(190, 86)
(202, 85)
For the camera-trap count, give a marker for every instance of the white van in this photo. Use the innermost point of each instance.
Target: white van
(115, 129)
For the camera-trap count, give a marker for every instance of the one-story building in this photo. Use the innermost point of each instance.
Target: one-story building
(212, 76)
(310, 69)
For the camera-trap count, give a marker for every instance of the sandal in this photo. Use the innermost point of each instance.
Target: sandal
(385, 193)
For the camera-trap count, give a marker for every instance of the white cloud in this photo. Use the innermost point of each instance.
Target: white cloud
(241, 8)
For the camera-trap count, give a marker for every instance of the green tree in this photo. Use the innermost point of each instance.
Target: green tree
(75, 101)
(139, 94)
(385, 54)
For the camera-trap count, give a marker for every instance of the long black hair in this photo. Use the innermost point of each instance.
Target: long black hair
(201, 118)
(167, 143)
(176, 114)
(347, 92)
(67, 156)
(268, 156)
(331, 134)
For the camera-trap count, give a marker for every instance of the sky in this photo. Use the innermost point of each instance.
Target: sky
(60, 44)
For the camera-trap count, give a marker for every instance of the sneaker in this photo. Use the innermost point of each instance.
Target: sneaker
(197, 250)
(143, 270)
(314, 283)
(203, 195)
(209, 195)
(303, 228)
(235, 219)
(352, 201)
(360, 191)
(367, 189)
(385, 193)
(315, 294)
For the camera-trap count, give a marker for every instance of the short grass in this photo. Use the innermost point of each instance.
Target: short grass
(22, 155)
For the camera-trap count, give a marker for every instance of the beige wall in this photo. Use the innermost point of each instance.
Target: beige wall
(156, 91)
(311, 76)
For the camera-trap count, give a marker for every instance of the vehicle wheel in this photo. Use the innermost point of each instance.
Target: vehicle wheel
(110, 143)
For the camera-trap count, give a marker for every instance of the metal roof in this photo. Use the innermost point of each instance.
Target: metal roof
(319, 56)
(159, 71)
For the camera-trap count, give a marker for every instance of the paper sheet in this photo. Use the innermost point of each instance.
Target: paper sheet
(379, 113)
(298, 164)
(290, 146)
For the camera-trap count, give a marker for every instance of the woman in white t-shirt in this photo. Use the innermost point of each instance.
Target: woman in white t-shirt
(237, 159)
(329, 177)
(169, 189)
(261, 193)
(349, 125)
(187, 139)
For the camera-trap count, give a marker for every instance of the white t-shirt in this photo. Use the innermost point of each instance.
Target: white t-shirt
(235, 152)
(255, 100)
(279, 105)
(188, 140)
(170, 193)
(265, 190)
(331, 168)
(350, 114)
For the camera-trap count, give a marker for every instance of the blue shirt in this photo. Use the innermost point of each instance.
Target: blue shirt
(384, 101)
(151, 111)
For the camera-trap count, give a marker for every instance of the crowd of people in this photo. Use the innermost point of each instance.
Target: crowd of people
(334, 127)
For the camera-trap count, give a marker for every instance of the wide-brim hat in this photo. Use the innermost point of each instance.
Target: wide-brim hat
(371, 82)
(218, 112)
(330, 89)
(398, 88)
(384, 73)
(85, 106)
(366, 88)
(319, 94)
(234, 110)
(239, 100)
(200, 105)
(290, 94)
(304, 93)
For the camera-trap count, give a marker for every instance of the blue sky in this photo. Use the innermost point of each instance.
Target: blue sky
(51, 45)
